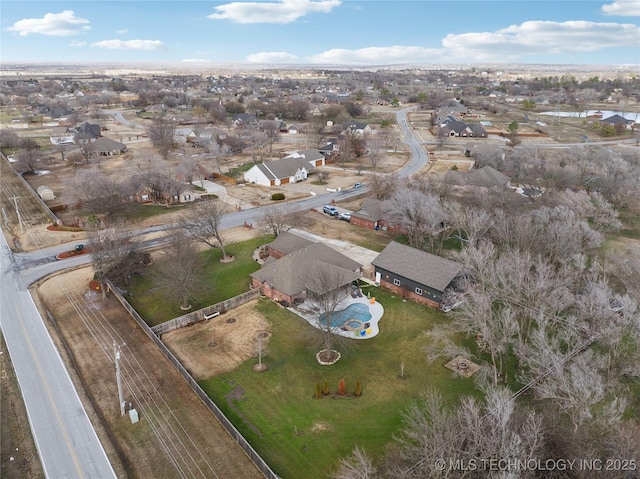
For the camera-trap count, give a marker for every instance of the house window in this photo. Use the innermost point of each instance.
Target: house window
(396, 282)
(187, 197)
(145, 197)
(419, 291)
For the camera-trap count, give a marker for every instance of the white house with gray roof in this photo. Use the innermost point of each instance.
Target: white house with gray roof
(279, 172)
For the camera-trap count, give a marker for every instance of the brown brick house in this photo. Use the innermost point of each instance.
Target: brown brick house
(289, 277)
(376, 214)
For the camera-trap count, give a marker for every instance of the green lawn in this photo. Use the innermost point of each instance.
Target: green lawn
(226, 280)
(300, 436)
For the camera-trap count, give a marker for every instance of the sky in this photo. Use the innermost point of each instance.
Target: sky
(322, 32)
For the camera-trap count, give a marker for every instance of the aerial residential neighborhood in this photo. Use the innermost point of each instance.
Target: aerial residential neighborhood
(236, 246)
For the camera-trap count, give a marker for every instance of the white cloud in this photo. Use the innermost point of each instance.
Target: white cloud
(195, 60)
(284, 11)
(541, 38)
(622, 8)
(513, 43)
(129, 44)
(379, 55)
(122, 31)
(55, 24)
(272, 57)
(76, 43)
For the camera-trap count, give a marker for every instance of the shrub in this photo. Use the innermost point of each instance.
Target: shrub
(277, 196)
(325, 387)
(318, 390)
(342, 387)
(358, 390)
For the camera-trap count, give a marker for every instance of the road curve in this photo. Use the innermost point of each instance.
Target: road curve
(66, 441)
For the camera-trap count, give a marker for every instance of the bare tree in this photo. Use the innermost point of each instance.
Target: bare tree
(271, 129)
(179, 270)
(161, 133)
(383, 187)
(281, 218)
(470, 433)
(326, 288)
(189, 169)
(202, 221)
(443, 137)
(111, 248)
(359, 465)
(28, 155)
(99, 193)
(298, 109)
(374, 145)
(421, 213)
(261, 349)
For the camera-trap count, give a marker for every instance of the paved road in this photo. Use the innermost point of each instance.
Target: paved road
(66, 441)
(419, 157)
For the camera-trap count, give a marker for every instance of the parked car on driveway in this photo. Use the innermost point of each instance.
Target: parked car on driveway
(357, 185)
(330, 210)
(345, 217)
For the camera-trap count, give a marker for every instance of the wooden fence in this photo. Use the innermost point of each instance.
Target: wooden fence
(229, 427)
(225, 178)
(201, 314)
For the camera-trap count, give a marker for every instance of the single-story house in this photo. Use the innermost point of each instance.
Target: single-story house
(485, 177)
(201, 136)
(314, 157)
(45, 193)
(107, 147)
(87, 131)
(278, 172)
(286, 243)
(293, 276)
(61, 136)
(615, 119)
(374, 215)
(451, 126)
(415, 274)
(358, 127)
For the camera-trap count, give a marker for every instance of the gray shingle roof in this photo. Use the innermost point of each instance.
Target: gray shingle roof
(290, 274)
(416, 265)
(486, 177)
(284, 168)
(288, 243)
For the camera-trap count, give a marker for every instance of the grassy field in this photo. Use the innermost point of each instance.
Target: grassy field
(300, 436)
(222, 280)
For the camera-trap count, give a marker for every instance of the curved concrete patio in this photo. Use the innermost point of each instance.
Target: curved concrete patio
(375, 309)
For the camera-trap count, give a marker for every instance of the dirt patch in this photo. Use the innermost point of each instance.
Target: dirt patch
(235, 341)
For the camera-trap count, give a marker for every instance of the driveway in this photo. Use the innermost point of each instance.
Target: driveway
(362, 255)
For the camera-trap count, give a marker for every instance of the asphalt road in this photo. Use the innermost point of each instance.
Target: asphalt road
(66, 441)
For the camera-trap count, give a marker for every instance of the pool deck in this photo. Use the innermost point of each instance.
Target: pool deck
(376, 310)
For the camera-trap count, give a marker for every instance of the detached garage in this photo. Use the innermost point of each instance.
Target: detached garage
(45, 193)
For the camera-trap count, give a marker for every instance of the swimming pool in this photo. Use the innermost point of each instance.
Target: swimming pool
(353, 316)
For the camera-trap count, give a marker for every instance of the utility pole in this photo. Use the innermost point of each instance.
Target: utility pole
(116, 351)
(15, 202)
